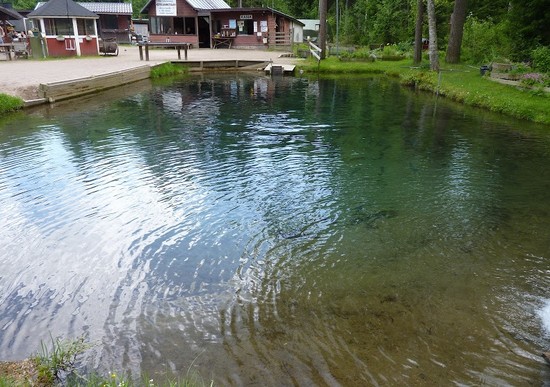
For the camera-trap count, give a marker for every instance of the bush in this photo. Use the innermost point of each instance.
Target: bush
(9, 103)
(532, 79)
(541, 58)
(484, 40)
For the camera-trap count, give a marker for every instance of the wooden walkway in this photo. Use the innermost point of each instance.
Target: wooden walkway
(279, 69)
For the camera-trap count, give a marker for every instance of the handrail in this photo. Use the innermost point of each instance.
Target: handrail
(315, 51)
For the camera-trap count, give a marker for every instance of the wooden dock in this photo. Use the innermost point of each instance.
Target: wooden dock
(279, 69)
(56, 91)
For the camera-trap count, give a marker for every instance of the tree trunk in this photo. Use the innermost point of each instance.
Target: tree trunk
(434, 59)
(323, 6)
(418, 32)
(458, 18)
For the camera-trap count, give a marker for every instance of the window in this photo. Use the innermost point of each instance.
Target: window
(246, 27)
(173, 25)
(161, 25)
(85, 26)
(109, 22)
(58, 26)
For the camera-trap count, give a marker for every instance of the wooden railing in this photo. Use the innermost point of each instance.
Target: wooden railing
(315, 51)
(283, 39)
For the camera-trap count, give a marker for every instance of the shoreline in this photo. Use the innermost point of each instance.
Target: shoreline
(23, 77)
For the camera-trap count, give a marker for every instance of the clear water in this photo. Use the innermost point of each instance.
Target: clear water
(275, 232)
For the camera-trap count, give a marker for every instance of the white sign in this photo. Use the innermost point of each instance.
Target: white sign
(166, 8)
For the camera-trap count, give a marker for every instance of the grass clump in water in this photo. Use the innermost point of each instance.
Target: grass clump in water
(167, 69)
(9, 103)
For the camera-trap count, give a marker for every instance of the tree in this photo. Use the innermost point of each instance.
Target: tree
(418, 32)
(458, 18)
(434, 59)
(323, 7)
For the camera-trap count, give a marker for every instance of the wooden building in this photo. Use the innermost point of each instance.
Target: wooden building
(213, 23)
(69, 29)
(115, 19)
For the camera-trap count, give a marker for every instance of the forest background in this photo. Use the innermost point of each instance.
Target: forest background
(494, 30)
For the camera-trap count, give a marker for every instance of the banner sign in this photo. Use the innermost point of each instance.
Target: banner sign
(166, 8)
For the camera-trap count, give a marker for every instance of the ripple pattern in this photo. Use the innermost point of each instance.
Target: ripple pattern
(291, 231)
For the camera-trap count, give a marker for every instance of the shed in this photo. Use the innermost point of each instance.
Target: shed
(213, 23)
(69, 28)
(115, 19)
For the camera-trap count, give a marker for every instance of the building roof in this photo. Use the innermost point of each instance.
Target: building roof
(196, 5)
(10, 14)
(208, 4)
(64, 8)
(311, 24)
(103, 8)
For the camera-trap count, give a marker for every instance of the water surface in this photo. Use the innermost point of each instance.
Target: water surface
(275, 232)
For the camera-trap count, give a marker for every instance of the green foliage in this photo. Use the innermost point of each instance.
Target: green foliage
(484, 41)
(541, 58)
(9, 103)
(423, 79)
(533, 79)
(55, 362)
(167, 69)
(529, 21)
(6, 381)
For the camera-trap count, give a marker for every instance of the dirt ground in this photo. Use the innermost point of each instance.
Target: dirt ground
(19, 372)
(21, 77)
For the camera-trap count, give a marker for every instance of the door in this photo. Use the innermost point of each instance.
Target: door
(204, 32)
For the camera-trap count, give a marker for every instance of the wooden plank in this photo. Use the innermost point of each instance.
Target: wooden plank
(56, 91)
(286, 68)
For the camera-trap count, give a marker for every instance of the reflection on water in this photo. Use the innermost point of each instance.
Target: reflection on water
(286, 231)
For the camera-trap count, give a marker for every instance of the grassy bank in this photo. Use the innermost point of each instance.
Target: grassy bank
(9, 104)
(461, 83)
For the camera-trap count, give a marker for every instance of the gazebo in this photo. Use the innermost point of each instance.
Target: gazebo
(69, 28)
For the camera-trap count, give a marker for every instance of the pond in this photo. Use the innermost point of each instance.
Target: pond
(258, 231)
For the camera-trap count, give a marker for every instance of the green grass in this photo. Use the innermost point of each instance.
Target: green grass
(461, 83)
(9, 104)
(167, 69)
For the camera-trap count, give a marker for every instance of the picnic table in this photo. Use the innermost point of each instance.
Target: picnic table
(177, 46)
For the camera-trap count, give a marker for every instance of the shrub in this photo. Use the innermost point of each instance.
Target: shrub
(532, 79)
(541, 58)
(484, 40)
